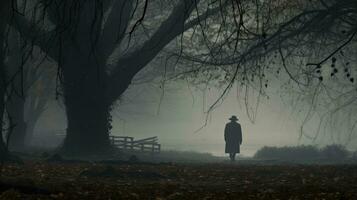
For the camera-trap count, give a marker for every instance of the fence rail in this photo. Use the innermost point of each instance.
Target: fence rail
(128, 143)
(149, 144)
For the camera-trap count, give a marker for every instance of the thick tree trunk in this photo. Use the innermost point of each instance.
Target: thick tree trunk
(15, 107)
(85, 86)
(88, 119)
(87, 109)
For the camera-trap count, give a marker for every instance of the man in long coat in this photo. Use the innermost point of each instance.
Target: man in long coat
(233, 137)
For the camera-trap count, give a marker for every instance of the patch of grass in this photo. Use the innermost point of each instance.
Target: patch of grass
(330, 153)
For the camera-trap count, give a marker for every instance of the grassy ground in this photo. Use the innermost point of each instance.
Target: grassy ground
(220, 180)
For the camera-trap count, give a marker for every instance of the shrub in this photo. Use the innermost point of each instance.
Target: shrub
(305, 152)
(334, 152)
(354, 156)
(288, 153)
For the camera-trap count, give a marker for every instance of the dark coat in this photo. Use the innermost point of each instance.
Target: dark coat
(233, 137)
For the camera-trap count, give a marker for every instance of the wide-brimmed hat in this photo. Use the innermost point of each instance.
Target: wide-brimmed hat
(233, 118)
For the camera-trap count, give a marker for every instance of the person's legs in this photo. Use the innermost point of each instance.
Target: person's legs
(233, 157)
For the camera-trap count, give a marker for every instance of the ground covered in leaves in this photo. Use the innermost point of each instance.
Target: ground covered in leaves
(85, 180)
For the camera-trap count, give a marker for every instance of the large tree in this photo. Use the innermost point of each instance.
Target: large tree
(82, 37)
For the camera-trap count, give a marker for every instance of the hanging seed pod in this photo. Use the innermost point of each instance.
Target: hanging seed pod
(335, 70)
(321, 78)
(352, 80)
(334, 59)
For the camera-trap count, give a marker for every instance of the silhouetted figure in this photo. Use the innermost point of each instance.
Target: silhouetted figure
(233, 137)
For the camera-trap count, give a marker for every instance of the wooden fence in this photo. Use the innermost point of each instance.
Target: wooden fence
(122, 142)
(128, 143)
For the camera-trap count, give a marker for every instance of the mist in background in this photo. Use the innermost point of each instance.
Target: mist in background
(177, 116)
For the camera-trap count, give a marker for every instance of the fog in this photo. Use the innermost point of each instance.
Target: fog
(179, 120)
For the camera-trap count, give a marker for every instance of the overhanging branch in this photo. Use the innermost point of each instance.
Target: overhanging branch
(173, 26)
(128, 66)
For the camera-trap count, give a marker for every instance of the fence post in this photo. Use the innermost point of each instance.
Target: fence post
(125, 142)
(131, 144)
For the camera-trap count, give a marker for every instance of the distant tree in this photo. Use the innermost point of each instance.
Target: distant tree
(29, 90)
(5, 13)
(8, 8)
(15, 100)
(39, 94)
(4, 7)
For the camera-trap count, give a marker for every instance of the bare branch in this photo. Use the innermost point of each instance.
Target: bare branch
(115, 27)
(131, 64)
